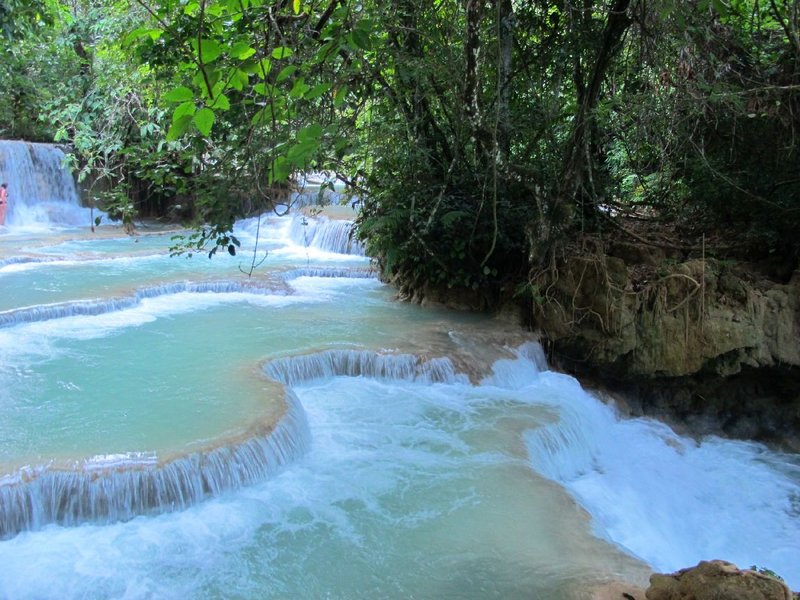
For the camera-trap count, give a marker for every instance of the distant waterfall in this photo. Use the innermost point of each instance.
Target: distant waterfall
(331, 235)
(40, 189)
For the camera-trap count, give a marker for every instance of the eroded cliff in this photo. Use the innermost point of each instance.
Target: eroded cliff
(708, 343)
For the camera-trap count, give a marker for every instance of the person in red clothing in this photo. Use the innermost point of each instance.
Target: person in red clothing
(3, 202)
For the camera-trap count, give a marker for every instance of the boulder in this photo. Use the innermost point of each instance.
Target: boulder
(716, 580)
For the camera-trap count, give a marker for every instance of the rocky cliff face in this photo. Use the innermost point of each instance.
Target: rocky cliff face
(709, 343)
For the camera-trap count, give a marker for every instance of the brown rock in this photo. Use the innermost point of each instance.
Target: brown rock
(716, 580)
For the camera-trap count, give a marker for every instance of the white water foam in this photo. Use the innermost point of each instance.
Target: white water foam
(111, 488)
(668, 500)
(93, 319)
(409, 489)
(331, 235)
(41, 191)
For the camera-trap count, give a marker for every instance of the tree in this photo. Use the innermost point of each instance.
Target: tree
(256, 91)
(29, 65)
(483, 137)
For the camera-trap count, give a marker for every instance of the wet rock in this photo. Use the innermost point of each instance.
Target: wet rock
(716, 580)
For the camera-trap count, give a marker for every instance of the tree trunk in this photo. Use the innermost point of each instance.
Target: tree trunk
(505, 41)
(472, 45)
(576, 165)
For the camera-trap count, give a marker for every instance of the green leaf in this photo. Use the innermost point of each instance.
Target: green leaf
(274, 111)
(187, 108)
(299, 88)
(281, 169)
(235, 80)
(285, 73)
(282, 52)
(179, 94)
(309, 133)
(204, 120)
(218, 88)
(215, 10)
(326, 50)
(134, 35)
(251, 66)
(242, 50)
(720, 7)
(296, 6)
(263, 68)
(262, 116)
(317, 91)
(342, 147)
(211, 74)
(208, 51)
(242, 77)
(360, 39)
(340, 96)
(264, 89)
(233, 9)
(178, 127)
(301, 152)
(221, 102)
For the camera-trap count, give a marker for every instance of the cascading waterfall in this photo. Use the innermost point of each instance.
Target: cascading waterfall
(330, 272)
(331, 235)
(107, 489)
(39, 313)
(40, 189)
(302, 422)
(362, 363)
(669, 500)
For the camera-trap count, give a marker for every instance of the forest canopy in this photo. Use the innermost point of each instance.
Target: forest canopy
(482, 138)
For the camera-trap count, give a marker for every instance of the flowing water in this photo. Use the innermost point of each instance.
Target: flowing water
(171, 428)
(40, 190)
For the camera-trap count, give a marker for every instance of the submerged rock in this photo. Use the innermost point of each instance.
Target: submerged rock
(716, 580)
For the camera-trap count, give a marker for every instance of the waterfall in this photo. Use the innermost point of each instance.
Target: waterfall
(331, 235)
(331, 272)
(361, 363)
(669, 500)
(114, 488)
(60, 310)
(107, 489)
(40, 189)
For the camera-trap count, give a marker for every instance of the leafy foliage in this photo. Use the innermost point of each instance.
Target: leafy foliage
(480, 137)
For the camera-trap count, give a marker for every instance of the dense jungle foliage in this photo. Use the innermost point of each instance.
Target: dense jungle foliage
(482, 138)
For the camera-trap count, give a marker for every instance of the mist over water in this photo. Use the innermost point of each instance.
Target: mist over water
(304, 435)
